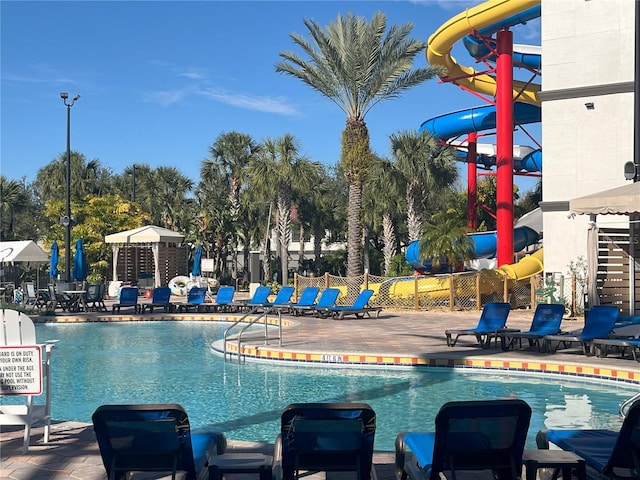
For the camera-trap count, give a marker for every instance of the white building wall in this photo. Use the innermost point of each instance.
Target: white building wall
(587, 57)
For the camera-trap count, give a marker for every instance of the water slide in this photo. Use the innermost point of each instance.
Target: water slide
(488, 18)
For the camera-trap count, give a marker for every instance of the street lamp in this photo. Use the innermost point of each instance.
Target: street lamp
(66, 220)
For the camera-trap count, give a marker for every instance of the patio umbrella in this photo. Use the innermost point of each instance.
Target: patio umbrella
(53, 263)
(79, 262)
(197, 257)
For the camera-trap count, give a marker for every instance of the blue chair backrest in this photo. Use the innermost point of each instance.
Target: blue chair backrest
(196, 295)
(628, 443)
(128, 296)
(481, 434)
(547, 319)
(284, 296)
(362, 299)
(328, 298)
(600, 321)
(494, 316)
(161, 295)
(308, 296)
(225, 295)
(260, 296)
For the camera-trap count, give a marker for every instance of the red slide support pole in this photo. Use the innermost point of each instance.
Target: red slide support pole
(504, 160)
(472, 180)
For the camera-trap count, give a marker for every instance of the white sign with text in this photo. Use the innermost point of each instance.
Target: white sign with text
(21, 370)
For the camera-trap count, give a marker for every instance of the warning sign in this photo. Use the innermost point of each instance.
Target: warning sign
(21, 370)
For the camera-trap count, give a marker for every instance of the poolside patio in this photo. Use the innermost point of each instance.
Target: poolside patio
(394, 338)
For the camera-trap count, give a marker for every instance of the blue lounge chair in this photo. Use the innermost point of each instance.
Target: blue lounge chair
(611, 453)
(195, 300)
(161, 298)
(469, 436)
(359, 308)
(492, 322)
(128, 298)
(307, 299)
(152, 438)
(327, 299)
(546, 321)
(599, 323)
(283, 298)
(602, 346)
(325, 437)
(224, 299)
(259, 299)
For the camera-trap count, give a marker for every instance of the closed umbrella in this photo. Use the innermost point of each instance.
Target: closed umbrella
(53, 263)
(197, 258)
(79, 262)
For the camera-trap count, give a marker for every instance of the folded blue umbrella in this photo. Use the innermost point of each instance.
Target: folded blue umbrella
(79, 262)
(53, 263)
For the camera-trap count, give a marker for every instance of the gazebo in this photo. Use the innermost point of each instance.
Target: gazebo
(613, 253)
(148, 252)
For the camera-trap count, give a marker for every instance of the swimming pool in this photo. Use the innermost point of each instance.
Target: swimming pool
(170, 362)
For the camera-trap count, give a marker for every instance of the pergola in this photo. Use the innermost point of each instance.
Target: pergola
(623, 200)
(169, 255)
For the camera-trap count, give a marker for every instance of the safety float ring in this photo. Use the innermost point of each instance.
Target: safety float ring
(178, 285)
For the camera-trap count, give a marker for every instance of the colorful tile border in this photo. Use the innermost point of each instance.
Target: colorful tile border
(350, 359)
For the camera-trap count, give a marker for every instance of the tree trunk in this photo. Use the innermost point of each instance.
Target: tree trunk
(354, 239)
(389, 238)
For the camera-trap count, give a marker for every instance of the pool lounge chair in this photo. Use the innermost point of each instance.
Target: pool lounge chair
(610, 453)
(492, 322)
(94, 298)
(599, 323)
(325, 437)
(128, 299)
(195, 300)
(327, 299)
(223, 301)
(546, 321)
(283, 298)
(153, 438)
(481, 435)
(359, 308)
(307, 299)
(601, 347)
(258, 300)
(161, 298)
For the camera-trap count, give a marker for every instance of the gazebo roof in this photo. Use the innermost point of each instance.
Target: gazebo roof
(147, 234)
(22, 251)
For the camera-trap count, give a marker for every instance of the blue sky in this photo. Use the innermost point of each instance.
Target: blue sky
(161, 80)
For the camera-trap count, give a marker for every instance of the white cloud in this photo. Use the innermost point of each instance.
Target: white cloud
(251, 102)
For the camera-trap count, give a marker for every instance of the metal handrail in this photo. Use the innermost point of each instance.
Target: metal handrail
(626, 405)
(254, 310)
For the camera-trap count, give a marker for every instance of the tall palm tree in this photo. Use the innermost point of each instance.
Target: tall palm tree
(280, 171)
(11, 199)
(231, 154)
(356, 65)
(387, 207)
(428, 169)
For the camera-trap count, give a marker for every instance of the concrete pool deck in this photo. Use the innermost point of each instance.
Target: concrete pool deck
(396, 338)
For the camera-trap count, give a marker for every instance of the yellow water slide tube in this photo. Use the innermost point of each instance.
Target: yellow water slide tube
(441, 42)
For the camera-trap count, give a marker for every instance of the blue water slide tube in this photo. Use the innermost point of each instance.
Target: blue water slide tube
(485, 246)
(477, 119)
(478, 50)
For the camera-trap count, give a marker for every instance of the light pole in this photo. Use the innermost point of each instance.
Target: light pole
(67, 221)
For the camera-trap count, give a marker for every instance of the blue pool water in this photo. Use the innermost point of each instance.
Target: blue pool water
(170, 362)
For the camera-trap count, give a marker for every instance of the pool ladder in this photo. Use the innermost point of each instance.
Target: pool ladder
(264, 313)
(626, 405)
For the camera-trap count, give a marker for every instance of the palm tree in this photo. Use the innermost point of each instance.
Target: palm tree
(428, 168)
(387, 207)
(11, 199)
(231, 154)
(445, 239)
(356, 65)
(278, 172)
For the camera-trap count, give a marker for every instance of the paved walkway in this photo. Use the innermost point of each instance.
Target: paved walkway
(396, 338)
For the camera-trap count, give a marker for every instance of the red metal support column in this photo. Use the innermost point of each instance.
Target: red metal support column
(472, 181)
(504, 160)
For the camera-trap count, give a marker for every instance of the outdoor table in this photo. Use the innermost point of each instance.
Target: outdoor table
(77, 299)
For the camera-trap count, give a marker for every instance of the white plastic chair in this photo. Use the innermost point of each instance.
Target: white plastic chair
(18, 330)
